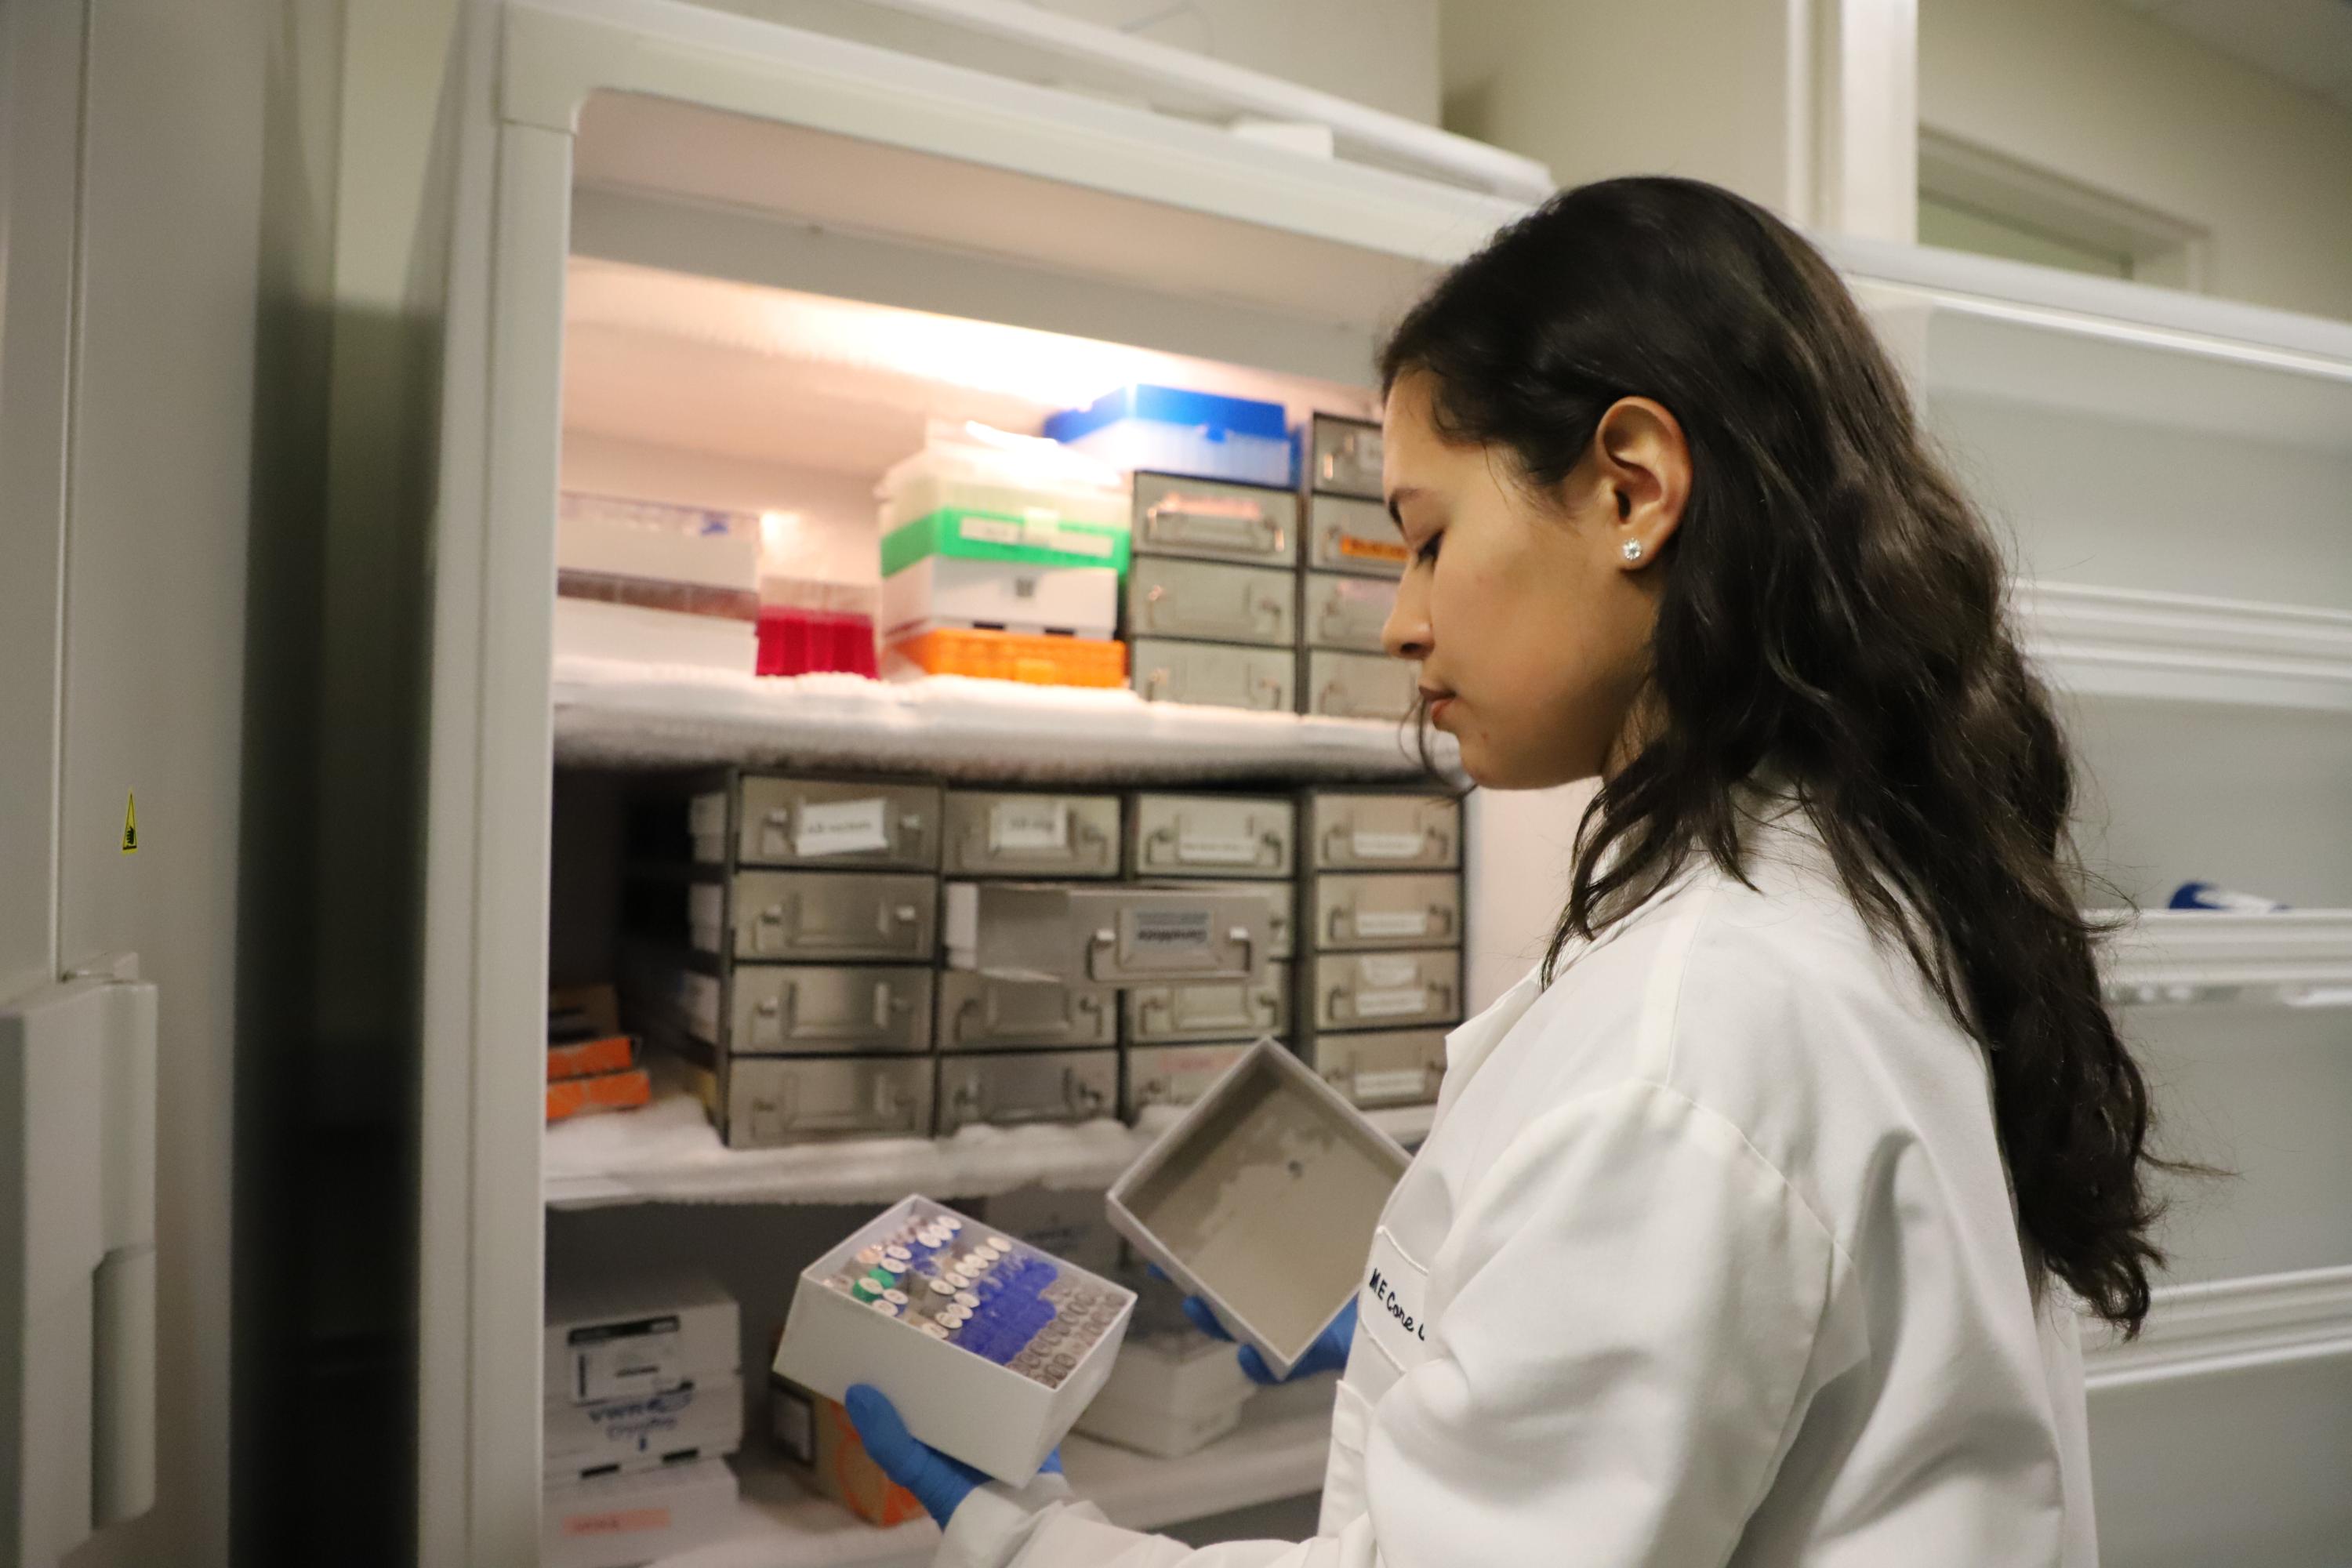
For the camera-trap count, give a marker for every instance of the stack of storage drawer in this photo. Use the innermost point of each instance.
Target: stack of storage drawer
(1354, 559)
(1015, 1051)
(803, 1000)
(1155, 943)
(1380, 960)
(1211, 600)
(1181, 1035)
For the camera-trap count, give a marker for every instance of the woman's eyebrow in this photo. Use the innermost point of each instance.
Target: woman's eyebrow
(1397, 498)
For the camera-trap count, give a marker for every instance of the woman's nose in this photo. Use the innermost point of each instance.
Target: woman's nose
(1406, 634)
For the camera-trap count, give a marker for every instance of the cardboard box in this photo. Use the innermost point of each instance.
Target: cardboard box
(610, 1338)
(953, 1396)
(821, 1447)
(1263, 1199)
(702, 1420)
(602, 1091)
(585, 1059)
(618, 1521)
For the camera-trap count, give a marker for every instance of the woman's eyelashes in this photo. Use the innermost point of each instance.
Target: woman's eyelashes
(1427, 549)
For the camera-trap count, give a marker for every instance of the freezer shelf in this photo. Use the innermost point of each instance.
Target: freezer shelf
(1272, 1456)
(616, 714)
(669, 1153)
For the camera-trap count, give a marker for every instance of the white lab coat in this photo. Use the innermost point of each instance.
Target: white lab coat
(1709, 1258)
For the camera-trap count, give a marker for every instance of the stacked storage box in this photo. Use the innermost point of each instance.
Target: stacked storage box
(1001, 558)
(657, 583)
(803, 996)
(1380, 919)
(1181, 1035)
(1018, 1050)
(645, 1399)
(1354, 559)
(1210, 610)
(1153, 940)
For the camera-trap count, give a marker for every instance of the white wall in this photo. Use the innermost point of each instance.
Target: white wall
(1379, 52)
(1700, 88)
(2109, 99)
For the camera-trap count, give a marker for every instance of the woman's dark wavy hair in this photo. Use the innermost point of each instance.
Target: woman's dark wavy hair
(1833, 609)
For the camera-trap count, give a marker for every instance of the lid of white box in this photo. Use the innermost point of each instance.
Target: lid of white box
(1266, 1192)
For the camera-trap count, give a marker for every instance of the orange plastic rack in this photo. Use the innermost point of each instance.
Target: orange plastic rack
(1013, 656)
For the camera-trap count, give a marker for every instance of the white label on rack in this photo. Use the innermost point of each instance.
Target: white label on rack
(1393, 922)
(841, 828)
(611, 1361)
(1386, 845)
(1396, 1083)
(990, 531)
(1215, 849)
(1393, 1003)
(1164, 930)
(1373, 970)
(1029, 824)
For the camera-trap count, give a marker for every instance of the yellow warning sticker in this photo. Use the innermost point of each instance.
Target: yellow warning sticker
(131, 825)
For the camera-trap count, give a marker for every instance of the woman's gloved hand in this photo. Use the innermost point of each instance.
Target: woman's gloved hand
(1328, 1354)
(940, 1484)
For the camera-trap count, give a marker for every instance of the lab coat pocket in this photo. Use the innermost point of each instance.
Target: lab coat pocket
(1393, 1306)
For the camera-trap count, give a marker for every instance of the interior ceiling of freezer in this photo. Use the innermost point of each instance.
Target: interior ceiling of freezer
(841, 387)
(791, 175)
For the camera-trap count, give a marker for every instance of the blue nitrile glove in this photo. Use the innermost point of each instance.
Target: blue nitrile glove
(940, 1484)
(1328, 1354)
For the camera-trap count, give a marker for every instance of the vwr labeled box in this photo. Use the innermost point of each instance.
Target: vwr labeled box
(988, 1348)
(1263, 1199)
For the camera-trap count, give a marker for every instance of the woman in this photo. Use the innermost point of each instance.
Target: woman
(1752, 1227)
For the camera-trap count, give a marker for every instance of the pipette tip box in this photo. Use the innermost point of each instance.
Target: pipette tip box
(988, 1347)
(1262, 1199)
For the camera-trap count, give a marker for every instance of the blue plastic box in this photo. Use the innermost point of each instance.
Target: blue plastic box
(1171, 431)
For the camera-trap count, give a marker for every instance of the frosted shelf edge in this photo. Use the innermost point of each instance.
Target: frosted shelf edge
(2134, 643)
(2295, 957)
(616, 714)
(778, 1525)
(2227, 1325)
(669, 1153)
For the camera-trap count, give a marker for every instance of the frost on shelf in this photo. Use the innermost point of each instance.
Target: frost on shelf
(622, 714)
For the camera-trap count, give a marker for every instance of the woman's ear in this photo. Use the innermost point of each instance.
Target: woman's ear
(1642, 458)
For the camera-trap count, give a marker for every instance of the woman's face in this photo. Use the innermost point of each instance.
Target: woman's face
(1530, 626)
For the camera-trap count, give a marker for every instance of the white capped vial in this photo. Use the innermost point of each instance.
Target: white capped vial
(997, 1244)
(869, 1255)
(949, 1221)
(883, 1305)
(896, 1298)
(966, 1299)
(943, 1287)
(936, 1332)
(901, 1254)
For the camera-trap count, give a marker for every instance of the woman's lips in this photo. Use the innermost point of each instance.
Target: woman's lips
(1438, 702)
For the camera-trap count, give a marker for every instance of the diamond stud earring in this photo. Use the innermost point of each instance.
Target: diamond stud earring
(1633, 550)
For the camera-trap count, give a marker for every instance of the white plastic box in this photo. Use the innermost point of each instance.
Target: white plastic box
(617, 1521)
(966, 469)
(1169, 1394)
(1005, 595)
(702, 1420)
(614, 1338)
(1262, 1199)
(955, 1398)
